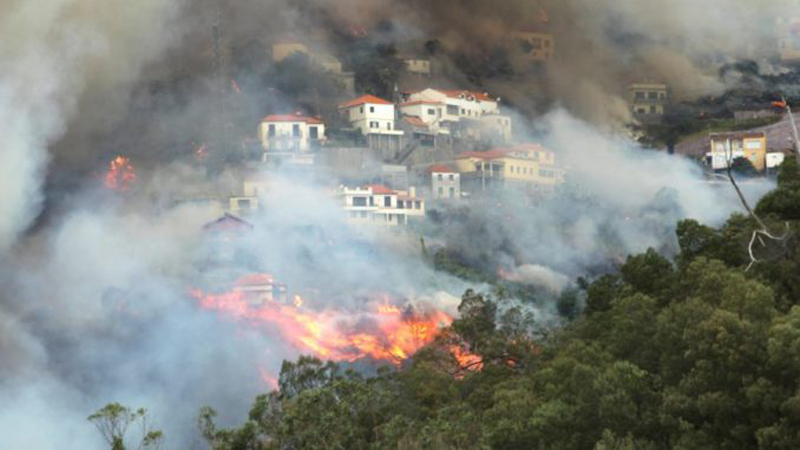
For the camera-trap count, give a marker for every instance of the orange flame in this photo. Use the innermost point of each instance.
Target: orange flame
(120, 175)
(384, 332)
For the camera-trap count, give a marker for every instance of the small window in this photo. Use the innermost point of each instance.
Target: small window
(452, 192)
(452, 177)
(243, 203)
(361, 110)
(652, 95)
(271, 132)
(640, 95)
(313, 132)
(359, 201)
(400, 204)
(296, 130)
(372, 109)
(439, 177)
(418, 204)
(387, 201)
(431, 112)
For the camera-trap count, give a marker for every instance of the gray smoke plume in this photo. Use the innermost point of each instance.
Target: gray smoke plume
(94, 305)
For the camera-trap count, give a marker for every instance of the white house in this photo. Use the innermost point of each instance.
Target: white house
(379, 205)
(447, 109)
(417, 65)
(370, 114)
(291, 133)
(428, 112)
(445, 182)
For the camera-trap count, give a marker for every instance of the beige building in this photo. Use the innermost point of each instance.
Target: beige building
(648, 98)
(729, 146)
(530, 166)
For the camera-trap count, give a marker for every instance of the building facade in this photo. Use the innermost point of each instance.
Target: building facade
(729, 146)
(648, 99)
(445, 182)
(379, 205)
(371, 115)
(294, 133)
(529, 166)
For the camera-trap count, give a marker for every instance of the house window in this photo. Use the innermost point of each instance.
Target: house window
(372, 201)
(440, 191)
(417, 204)
(313, 132)
(439, 177)
(388, 125)
(359, 201)
(296, 130)
(431, 112)
(652, 110)
(361, 110)
(640, 96)
(271, 131)
(387, 201)
(452, 110)
(463, 111)
(652, 95)
(400, 204)
(243, 203)
(452, 177)
(452, 192)
(373, 124)
(372, 109)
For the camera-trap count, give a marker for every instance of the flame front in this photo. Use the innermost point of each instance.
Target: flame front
(384, 332)
(120, 175)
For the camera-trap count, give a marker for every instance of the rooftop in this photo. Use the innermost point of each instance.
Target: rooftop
(365, 99)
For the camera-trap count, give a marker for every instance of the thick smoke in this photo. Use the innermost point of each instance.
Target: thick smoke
(94, 305)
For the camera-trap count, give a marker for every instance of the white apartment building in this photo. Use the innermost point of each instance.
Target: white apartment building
(293, 133)
(371, 115)
(379, 205)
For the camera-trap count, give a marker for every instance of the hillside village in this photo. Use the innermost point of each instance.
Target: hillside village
(387, 157)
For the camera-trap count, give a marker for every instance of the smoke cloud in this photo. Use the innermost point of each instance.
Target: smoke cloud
(94, 305)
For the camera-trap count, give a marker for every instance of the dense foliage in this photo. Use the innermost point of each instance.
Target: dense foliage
(691, 353)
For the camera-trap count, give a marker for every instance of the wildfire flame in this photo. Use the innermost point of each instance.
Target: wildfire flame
(120, 175)
(384, 332)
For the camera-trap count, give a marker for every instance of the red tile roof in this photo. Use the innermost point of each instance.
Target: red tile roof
(440, 168)
(296, 117)
(380, 189)
(370, 99)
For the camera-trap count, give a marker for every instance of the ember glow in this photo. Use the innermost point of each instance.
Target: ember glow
(120, 175)
(383, 332)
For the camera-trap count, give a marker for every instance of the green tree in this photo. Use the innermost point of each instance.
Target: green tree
(114, 420)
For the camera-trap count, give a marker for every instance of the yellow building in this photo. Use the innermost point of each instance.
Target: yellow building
(729, 146)
(648, 98)
(538, 45)
(282, 50)
(530, 166)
